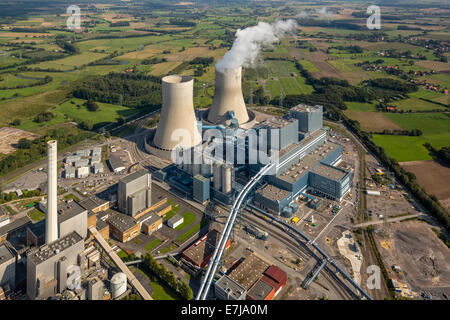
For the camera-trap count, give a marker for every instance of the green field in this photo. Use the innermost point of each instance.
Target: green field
(403, 148)
(360, 106)
(188, 219)
(416, 104)
(435, 128)
(152, 244)
(74, 110)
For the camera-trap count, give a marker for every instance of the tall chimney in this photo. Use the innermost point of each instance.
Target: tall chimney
(177, 112)
(51, 222)
(228, 96)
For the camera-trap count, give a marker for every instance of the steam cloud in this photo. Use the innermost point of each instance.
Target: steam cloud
(323, 13)
(249, 42)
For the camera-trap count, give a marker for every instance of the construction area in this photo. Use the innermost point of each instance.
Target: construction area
(416, 259)
(9, 137)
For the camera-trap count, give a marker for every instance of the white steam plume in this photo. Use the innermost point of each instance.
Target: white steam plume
(323, 13)
(249, 42)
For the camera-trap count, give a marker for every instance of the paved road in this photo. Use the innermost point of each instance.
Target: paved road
(397, 219)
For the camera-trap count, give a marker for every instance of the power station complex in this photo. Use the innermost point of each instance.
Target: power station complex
(217, 152)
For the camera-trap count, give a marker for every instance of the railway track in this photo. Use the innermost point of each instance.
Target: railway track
(331, 278)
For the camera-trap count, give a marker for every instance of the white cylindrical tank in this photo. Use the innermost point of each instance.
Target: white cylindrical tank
(228, 96)
(226, 178)
(118, 284)
(217, 175)
(51, 221)
(177, 125)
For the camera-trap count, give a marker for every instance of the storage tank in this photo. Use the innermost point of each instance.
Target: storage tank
(177, 112)
(294, 207)
(226, 178)
(217, 175)
(287, 212)
(118, 284)
(228, 96)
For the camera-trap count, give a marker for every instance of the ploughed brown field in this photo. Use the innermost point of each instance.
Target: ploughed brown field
(433, 177)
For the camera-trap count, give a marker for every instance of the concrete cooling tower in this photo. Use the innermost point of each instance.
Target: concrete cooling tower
(177, 112)
(228, 96)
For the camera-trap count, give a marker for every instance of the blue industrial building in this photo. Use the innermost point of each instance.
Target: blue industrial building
(308, 165)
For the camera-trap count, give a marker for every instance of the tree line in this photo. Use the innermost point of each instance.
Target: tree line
(135, 90)
(160, 271)
(37, 148)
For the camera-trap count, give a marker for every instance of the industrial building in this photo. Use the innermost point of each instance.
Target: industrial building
(248, 271)
(116, 164)
(228, 289)
(175, 221)
(134, 192)
(7, 267)
(47, 266)
(309, 164)
(268, 285)
(123, 227)
(201, 251)
(70, 217)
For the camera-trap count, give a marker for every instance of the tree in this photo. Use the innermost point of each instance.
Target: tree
(92, 106)
(24, 143)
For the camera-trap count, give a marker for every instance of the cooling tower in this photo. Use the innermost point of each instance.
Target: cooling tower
(177, 125)
(228, 96)
(51, 221)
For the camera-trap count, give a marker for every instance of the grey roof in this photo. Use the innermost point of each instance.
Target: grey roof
(101, 224)
(47, 251)
(5, 254)
(231, 287)
(260, 290)
(115, 162)
(329, 172)
(68, 210)
(175, 219)
(16, 224)
(121, 221)
(133, 176)
(92, 202)
(151, 218)
(306, 108)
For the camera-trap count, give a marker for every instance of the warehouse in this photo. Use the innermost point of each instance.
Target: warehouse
(249, 271)
(175, 221)
(201, 251)
(150, 223)
(95, 204)
(116, 164)
(122, 227)
(261, 290)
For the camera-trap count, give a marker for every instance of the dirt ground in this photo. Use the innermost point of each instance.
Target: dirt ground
(422, 256)
(10, 136)
(372, 121)
(432, 176)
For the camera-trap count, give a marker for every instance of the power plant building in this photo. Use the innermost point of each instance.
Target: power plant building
(7, 267)
(48, 267)
(228, 97)
(134, 193)
(177, 127)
